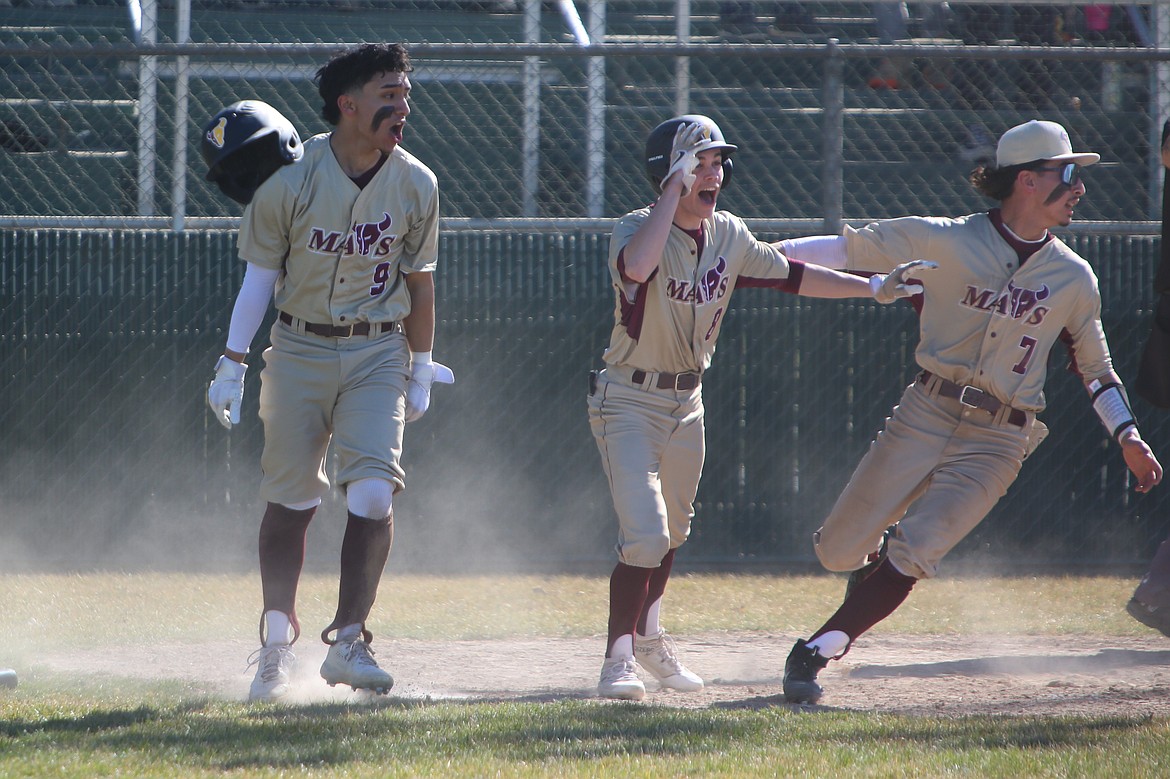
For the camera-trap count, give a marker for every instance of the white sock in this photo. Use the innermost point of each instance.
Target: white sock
(278, 629)
(831, 644)
(349, 633)
(652, 626)
(622, 647)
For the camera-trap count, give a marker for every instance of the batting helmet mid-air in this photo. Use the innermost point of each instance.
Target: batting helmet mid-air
(661, 141)
(244, 144)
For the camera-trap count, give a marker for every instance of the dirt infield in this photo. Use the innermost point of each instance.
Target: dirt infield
(947, 676)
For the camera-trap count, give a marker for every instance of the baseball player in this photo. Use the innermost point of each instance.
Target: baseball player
(346, 240)
(1150, 603)
(1002, 293)
(674, 268)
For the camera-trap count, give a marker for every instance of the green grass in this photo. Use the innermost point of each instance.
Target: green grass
(64, 726)
(100, 609)
(150, 733)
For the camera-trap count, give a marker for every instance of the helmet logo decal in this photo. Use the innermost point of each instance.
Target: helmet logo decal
(216, 133)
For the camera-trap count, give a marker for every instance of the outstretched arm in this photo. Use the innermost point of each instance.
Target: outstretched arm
(821, 282)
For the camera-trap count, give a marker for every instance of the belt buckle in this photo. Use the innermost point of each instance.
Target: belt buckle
(348, 331)
(979, 395)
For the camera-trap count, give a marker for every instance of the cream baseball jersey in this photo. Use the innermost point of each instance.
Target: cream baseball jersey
(671, 322)
(986, 319)
(343, 250)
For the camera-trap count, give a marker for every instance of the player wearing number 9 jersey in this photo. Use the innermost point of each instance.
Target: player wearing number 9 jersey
(674, 267)
(1004, 293)
(346, 240)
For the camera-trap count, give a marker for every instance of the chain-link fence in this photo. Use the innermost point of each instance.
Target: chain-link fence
(107, 341)
(109, 329)
(841, 110)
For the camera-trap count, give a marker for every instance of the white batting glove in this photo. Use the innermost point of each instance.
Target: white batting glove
(423, 373)
(226, 393)
(684, 160)
(893, 286)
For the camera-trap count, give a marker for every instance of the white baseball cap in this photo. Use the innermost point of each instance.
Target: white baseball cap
(1037, 140)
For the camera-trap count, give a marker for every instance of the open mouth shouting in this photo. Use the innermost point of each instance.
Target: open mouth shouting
(397, 130)
(396, 123)
(707, 195)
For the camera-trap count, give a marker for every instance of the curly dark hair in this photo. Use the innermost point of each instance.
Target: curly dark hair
(998, 183)
(353, 68)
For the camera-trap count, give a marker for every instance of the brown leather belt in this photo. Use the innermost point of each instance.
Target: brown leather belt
(347, 331)
(669, 381)
(972, 397)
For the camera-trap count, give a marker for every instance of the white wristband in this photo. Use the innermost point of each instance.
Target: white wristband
(1112, 407)
(421, 358)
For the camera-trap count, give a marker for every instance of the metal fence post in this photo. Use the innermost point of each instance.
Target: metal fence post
(147, 111)
(182, 106)
(1159, 105)
(682, 65)
(531, 139)
(834, 133)
(595, 119)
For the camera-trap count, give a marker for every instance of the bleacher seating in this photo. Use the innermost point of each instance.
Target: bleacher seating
(904, 149)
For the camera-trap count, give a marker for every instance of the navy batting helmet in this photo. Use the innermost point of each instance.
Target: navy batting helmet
(661, 142)
(244, 144)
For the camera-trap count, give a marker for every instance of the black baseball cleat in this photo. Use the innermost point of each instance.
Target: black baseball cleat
(1150, 616)
(800, 674)
(874, 560)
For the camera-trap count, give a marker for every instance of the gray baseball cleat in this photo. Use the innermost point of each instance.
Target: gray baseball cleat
(658, 655)
(273, 667)
(800, 674)
(619, 679)
(352, 663)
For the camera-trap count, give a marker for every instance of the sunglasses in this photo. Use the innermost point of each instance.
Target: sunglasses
(1070, 173)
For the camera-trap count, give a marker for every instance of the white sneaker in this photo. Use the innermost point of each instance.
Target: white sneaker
(619, 679)
(352, 663)
(657, 655)
(274, 663)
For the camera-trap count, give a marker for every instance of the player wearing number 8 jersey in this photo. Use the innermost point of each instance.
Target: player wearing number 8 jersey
(1005, 291)
(346, 240)
(674, 267)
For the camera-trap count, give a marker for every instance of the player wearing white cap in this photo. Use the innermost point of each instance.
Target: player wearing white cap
(674, 267)
(1005, 291)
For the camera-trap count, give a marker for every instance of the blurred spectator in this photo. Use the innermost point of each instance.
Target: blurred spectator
(979, 82)
(742, 19)
(893, 25)
(1097, 22)
(1114, 26)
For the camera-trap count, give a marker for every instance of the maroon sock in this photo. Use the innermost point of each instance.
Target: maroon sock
(364, 551)
(656, 587)
(627, 595)
(871, 601)
(282, 554)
